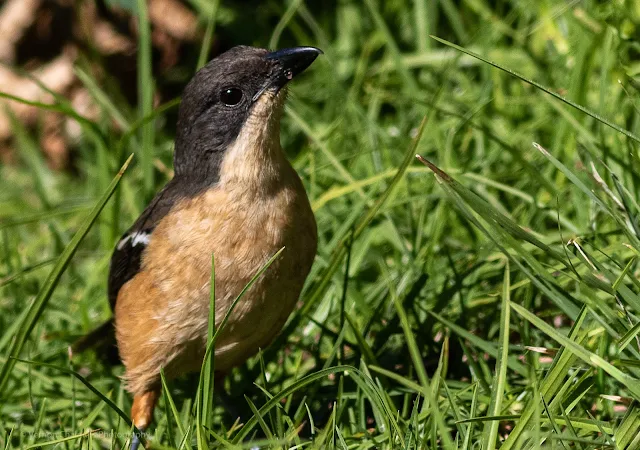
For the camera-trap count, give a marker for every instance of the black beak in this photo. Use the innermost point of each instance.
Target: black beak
(292, 61)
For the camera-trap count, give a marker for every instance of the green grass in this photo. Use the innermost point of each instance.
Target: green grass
(485, 296)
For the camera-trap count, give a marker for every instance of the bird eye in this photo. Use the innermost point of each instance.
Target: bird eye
(231, 96)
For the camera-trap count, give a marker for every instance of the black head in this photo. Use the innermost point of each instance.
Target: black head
(218, 101)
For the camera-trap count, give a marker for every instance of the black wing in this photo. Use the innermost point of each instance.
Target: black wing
(126, 258)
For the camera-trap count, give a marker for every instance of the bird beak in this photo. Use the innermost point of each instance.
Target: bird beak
(292, 61)
(289, 63)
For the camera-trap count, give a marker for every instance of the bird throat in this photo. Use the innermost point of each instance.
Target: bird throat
(254, 161)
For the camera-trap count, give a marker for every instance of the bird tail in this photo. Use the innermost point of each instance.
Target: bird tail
(102, 340)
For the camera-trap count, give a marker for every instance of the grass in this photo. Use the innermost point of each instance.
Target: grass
(484, 296)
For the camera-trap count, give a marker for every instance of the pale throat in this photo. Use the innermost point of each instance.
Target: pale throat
(255, 159)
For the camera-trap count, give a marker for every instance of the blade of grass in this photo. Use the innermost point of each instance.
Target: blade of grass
(205, 47)
(261, 421)
(625, 340)
(283, 22)
(422, 25)
(102, 98)
(391, 44)
(170, 405)
(86, 123)
(418, 364)
(208, 356)
(209, 363)
(472, 415)
(490, 433)
(145, 97)
(58, 441)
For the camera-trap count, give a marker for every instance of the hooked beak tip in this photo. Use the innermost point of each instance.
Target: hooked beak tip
(294, 60)
(290, 62)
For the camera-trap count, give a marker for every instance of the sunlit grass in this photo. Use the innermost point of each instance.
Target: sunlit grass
(484, 297)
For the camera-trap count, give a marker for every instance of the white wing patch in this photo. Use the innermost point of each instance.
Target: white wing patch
(137, 238)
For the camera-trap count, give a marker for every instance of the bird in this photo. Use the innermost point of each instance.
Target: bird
(235, 196)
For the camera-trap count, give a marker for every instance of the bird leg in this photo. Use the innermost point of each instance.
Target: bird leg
(142, 413)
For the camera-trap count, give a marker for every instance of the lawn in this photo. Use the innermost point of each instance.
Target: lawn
(483, 295)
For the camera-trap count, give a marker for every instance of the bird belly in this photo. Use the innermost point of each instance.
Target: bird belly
(241, 238)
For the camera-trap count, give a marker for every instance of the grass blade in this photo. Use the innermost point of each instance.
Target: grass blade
(490, 434)
(205, 47)
(145, 97)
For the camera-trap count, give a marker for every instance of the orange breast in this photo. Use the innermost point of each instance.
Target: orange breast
(162, 313)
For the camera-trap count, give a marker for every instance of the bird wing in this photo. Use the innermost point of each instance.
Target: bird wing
(127, 256)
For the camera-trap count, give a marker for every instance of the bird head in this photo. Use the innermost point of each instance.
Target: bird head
(238, 95)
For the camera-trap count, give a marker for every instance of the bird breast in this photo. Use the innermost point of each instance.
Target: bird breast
(242, 230)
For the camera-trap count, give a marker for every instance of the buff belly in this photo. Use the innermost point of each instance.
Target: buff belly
(169, 326)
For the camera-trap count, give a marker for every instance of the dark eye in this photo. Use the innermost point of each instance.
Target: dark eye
(231, 96)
